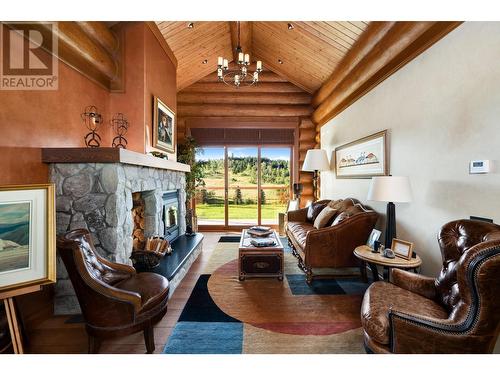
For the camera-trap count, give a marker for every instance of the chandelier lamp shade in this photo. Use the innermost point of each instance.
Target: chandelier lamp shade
(241, 75)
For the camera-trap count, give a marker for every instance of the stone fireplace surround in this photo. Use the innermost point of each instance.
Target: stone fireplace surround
(98, 197)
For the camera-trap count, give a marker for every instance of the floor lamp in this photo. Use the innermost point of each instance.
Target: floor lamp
(316, 160)
(390, 189)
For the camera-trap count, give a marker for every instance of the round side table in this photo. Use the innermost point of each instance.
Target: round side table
(365, 254)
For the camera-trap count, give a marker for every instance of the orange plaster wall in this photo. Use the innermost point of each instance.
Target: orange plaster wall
(30, 120)
(35, 119)
(160, 81)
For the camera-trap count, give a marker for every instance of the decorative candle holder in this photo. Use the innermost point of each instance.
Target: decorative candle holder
(120, 124)
(92, 119)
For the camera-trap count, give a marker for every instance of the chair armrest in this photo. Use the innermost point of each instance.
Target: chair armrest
(297, 215)
(115, 294)
(419, 284)
(418, 334)
(118, 267)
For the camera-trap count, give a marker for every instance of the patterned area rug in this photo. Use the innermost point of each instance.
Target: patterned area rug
(226, 316)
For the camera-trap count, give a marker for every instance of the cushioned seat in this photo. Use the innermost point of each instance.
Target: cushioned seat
(300, 231)
(114, 299)
(457, 312)
(381, 297)
(331, 243)
(150, 286)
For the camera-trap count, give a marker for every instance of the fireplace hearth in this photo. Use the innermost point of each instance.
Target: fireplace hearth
(119, 204)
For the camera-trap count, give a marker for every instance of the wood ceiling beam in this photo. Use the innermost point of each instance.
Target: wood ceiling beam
(392, 49)
(292, 98)
(259, 87)
(235, 110)
(246, 36)
(373, 35)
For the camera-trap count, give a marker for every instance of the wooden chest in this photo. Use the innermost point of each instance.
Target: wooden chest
(260, 261)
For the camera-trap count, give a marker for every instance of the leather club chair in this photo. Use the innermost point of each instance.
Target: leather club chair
(114, 299)
(457, 312)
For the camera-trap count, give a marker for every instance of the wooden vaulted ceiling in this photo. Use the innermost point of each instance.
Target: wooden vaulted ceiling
(309, 52)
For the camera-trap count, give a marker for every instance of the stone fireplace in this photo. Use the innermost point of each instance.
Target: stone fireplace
(118, 203)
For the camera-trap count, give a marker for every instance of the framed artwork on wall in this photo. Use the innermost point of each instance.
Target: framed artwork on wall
(363, 158)
(164, 127)
(27, 236)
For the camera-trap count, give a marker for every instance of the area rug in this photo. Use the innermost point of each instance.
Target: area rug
(266, 316)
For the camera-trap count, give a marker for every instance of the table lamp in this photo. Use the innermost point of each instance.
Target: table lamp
(390, 189)
(316, 160)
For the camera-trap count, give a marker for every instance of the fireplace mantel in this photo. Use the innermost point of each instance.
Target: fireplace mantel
(109, 155)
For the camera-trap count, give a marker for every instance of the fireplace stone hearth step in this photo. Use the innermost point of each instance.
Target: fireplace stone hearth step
(175, 266)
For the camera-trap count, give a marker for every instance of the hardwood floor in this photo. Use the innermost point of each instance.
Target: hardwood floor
(53, 335)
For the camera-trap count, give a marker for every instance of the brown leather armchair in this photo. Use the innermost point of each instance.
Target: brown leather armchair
(115, 301)
(457, 312)
(333, 245)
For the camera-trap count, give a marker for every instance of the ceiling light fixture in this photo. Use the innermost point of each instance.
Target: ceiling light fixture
(240, 76)
(190, 25)
(290, 26)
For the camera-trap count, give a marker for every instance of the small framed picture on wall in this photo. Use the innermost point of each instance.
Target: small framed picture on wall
(164, 127)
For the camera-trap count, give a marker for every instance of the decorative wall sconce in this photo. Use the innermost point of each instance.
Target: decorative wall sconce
(92, 118)
(120, 124)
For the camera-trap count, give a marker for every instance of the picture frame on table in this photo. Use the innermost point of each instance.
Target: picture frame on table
(402, 249)
(27, 236)
(164, 127)
(363, 158)
(293, 205)
(374, 236)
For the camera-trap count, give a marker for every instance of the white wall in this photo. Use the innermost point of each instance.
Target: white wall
(441, 111)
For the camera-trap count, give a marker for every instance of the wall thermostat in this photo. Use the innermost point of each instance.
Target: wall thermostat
(479, 166)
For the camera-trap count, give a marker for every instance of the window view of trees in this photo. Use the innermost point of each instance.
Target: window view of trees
(242, 187)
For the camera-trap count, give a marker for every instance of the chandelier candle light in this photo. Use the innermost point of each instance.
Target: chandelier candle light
(240, 76)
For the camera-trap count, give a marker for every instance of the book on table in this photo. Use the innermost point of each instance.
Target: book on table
(262, 242)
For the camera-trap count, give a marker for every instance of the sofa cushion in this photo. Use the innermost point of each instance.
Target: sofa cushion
(314, 210)
(324, 217)
(152, 288)
(381, 297)
(299, 232)
(348, 212)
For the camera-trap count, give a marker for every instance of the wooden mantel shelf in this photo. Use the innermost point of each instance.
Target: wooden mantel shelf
(109, 155)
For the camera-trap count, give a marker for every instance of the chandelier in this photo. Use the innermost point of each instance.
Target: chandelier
(240, 76)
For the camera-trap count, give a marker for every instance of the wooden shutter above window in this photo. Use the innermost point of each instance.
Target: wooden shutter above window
(242, 136)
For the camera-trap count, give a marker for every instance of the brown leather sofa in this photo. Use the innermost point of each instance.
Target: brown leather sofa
(457, 312)
(114, 299)
(333, 245)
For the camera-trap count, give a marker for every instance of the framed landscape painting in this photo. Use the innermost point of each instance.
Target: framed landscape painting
(27, 236)
(363, 158)
(164, 134)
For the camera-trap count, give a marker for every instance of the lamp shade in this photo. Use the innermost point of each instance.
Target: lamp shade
(390, 189)
(316, 160)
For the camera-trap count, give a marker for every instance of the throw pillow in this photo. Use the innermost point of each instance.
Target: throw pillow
(314, 210)
(340, 218)
(324, 217)
(350, 211)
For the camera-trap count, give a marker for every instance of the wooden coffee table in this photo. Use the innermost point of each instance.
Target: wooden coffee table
(373, 259)
(260, 261)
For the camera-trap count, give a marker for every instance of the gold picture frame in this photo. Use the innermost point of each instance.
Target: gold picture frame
(363, 158)
(402, 249)
(27, 236)
(164, 127)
